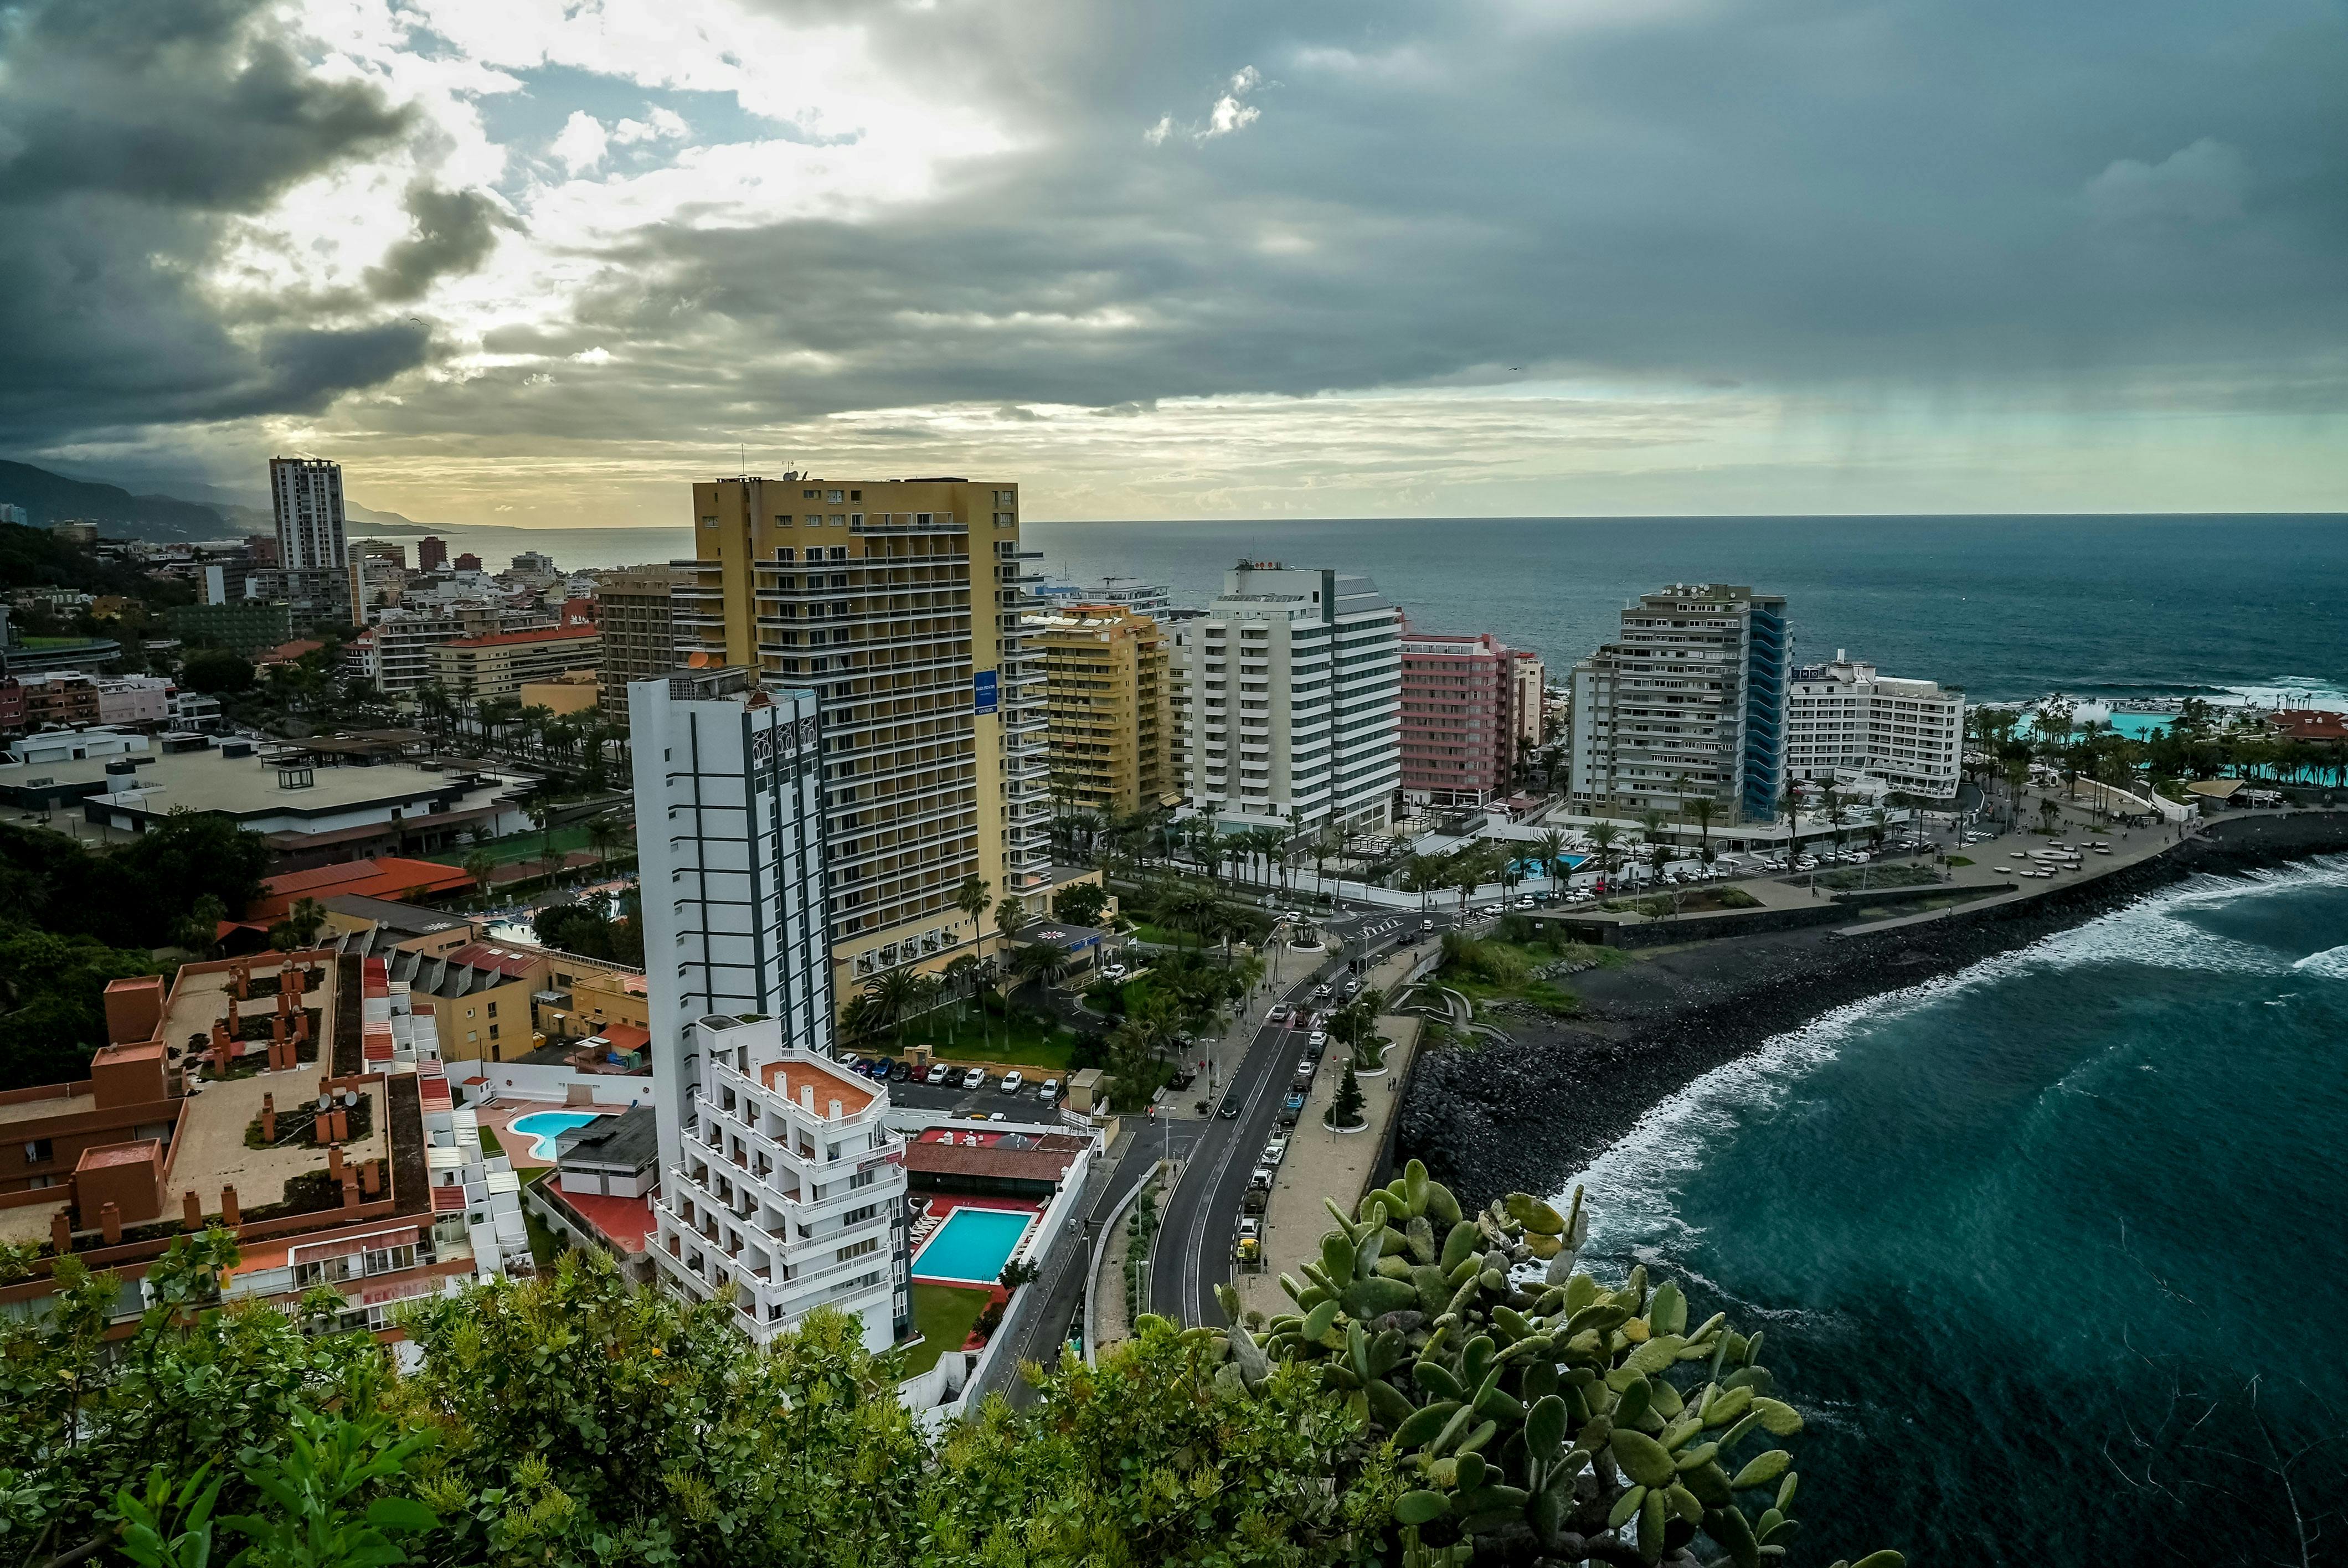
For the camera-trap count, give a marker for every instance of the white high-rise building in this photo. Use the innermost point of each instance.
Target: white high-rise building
(1689, 701)
(307, 494)
(1288, 694)
(313, 567)
(778, 1173)
(1844, 721)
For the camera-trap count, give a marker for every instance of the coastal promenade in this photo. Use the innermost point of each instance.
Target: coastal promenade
(1325, 1164)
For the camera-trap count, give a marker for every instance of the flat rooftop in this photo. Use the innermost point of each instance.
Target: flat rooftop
(209, 1152)
(236, 786)
(789, 1077)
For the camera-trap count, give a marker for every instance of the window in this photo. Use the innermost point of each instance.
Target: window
(861, 1249)
(709, 522)
(39, 1152)
(493, 1010)
(834, 497)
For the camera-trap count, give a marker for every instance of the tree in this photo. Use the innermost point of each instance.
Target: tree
(216, 671)
(299, 928)
(897, 995)
(1550, 849)
(1039, 964)
(1346, 1110)
(479, 865)
(603, 836)
(198, 929)
(1080, 904)
(971, 898)
(1010, 919)
(1602, 836)
(538, 806)
(1702, 808)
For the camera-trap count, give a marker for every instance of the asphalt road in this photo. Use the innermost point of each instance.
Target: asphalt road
(1201, 1216)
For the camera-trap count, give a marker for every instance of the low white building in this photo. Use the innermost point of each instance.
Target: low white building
(788, 1185)
(1845, 723)
(135, 700)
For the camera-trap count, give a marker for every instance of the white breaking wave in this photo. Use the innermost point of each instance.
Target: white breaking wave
(1628, 1190)
(2332, 964)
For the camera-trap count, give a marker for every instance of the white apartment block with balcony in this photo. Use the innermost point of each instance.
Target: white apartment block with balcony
(787, 1186)
(1843, 722)
(1288, 701)
(777, 1175)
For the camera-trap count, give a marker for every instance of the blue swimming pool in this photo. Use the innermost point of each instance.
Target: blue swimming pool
(972, 1246)
(542, 1127)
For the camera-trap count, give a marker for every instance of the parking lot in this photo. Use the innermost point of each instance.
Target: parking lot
(952, 1098)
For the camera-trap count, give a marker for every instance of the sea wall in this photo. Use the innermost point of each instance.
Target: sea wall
(1490, 1119)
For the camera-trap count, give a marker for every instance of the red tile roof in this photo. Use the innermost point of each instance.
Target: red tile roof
(387, 876)
(2309, 725)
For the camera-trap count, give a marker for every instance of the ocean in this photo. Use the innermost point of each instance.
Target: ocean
(2007, 607)
(2047, 1252)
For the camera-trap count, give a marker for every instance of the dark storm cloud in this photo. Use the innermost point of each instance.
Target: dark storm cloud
(130, 135)
(2139, 205)
(1831, 193)
(455, 232)
(187, 103)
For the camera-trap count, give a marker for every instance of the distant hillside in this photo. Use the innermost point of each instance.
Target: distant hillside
(49, 498)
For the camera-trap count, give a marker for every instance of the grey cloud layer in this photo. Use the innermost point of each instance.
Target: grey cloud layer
(2143, 202)
(132, 135)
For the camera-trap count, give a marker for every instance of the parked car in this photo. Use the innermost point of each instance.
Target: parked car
(1013, 1079)
(1316, 1043)
(1291, 1109)
(901, 1070)
(1275, 1151)
(853, 1063)
(1114, 971)
(938, 1073)
(974, 1079)
(1048, 1091)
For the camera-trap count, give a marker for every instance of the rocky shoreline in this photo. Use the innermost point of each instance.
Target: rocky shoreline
(1525, 1117)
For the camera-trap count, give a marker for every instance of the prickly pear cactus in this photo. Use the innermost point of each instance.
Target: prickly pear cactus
(1562, 1419)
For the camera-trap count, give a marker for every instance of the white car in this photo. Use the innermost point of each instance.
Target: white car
(1114, 971)
(1317, 1040)
(1275, 1152)
(1048, 1091)
(1013, 1079)
(974, 1079)
(938, 1073)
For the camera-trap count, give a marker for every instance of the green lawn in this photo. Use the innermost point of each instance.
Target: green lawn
(489, 1144)
(529, 846)
(943, 1316)
(1022, 1041)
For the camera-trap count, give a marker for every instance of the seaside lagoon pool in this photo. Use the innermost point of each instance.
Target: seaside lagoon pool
(972, 1246)
(542, 1127)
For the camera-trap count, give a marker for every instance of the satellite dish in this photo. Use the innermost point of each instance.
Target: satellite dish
(325, 1102)
(350, 1097)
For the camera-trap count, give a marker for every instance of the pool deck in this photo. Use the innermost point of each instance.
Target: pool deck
(500, 1116)
(943, 1207)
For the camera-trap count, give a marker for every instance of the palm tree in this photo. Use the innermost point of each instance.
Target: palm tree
(477, 865)
(1789, 806)
(1039, 964)
(1467, 873)
(1010, 919)
(971, 898)
(1602, 836)
(539, 808)
(602, 835)
(1550, 847)
(1702, 808)
(896, 994)
(1877, 821)
(961, 975)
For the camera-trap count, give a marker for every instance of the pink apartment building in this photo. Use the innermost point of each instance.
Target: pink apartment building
(1462, 711)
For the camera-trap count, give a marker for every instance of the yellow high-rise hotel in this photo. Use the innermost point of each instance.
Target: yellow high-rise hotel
(900, 603)
(1110, 697)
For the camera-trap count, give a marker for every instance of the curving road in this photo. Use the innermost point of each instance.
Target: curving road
(1201, 1214)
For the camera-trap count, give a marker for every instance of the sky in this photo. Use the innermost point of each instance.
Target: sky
(546, 262)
